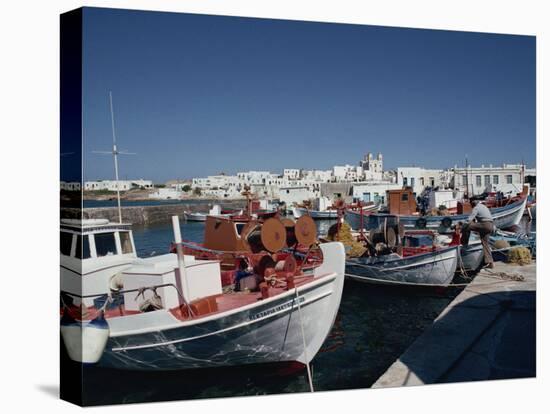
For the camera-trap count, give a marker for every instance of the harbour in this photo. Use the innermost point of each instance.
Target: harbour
(376, 328)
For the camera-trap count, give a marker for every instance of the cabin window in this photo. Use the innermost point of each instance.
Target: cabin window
(239, 227)
(405, 197)
(125, 242)
(105, 244)
(66, 242)
(82, 247)
(478, 180)
(509, 179)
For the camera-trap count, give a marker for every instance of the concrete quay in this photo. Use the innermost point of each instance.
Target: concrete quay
(487, 332)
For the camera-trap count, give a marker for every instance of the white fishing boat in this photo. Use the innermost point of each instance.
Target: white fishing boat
(436, 267)
(216, 210)
(320, 208)
(176, 311)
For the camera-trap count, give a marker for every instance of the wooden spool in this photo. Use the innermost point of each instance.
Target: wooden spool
(273, 235)
(306, 231)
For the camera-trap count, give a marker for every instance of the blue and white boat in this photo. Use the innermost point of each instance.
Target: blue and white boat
(504, 217)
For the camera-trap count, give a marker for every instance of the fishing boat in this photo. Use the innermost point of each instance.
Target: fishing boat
(252, 292)
(417, 263)
(216, 210)
(355, 216)
(403, 205)
(320, 208)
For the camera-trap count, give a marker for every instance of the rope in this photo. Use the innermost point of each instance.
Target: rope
(309, 376)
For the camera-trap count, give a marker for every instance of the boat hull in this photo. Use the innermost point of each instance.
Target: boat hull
(503, 217)
(433, 268)
(267, 331)
(298, 212)
(471, 256)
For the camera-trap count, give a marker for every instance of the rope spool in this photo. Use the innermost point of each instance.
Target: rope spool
(271, 236)
(391, 237)
(305, 231)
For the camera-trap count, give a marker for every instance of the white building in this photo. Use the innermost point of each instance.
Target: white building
(291, 195)
(373, 191)
(419, 178)
(111, 185)
(291, 174)
(70, 186)
(508, 178)
(166, 194)
(372, 168)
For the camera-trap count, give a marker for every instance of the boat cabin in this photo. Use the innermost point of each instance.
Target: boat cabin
(92, 252)
(95, 238)
(401, 202)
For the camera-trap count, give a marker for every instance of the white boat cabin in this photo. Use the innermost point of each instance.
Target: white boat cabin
(92, 252)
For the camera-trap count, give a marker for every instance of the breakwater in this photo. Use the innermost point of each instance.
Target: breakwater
(146, 214)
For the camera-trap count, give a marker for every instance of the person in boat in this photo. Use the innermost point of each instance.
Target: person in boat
(481, 222)
(244, 276)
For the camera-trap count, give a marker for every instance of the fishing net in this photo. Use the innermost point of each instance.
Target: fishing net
(519, 255)
(353, 247)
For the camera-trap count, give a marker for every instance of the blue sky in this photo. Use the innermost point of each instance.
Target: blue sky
(196, 95)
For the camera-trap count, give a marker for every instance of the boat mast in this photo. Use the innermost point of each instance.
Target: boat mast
(115, 152)
(115, 156)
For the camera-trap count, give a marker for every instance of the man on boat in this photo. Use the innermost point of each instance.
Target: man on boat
(481, 222)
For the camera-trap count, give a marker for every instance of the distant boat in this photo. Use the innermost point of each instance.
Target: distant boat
(298, 212)
(320, 208)
(216, 210)
(435, 267)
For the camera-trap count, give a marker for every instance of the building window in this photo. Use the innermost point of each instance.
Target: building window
(478, 180)
(412, 181)
(404, 181)
(464, 179)
(432, 182)
(495, 179)
(487, 180)
(509, 179)
(422, 181)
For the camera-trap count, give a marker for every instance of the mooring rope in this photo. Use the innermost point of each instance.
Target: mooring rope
(309, 376)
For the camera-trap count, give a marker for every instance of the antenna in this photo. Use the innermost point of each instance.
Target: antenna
(115, 152)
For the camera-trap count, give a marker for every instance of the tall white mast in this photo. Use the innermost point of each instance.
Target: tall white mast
(115, 153)
(115, 156)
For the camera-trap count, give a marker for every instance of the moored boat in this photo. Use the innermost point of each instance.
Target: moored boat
(238, 306)
(436, 267)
